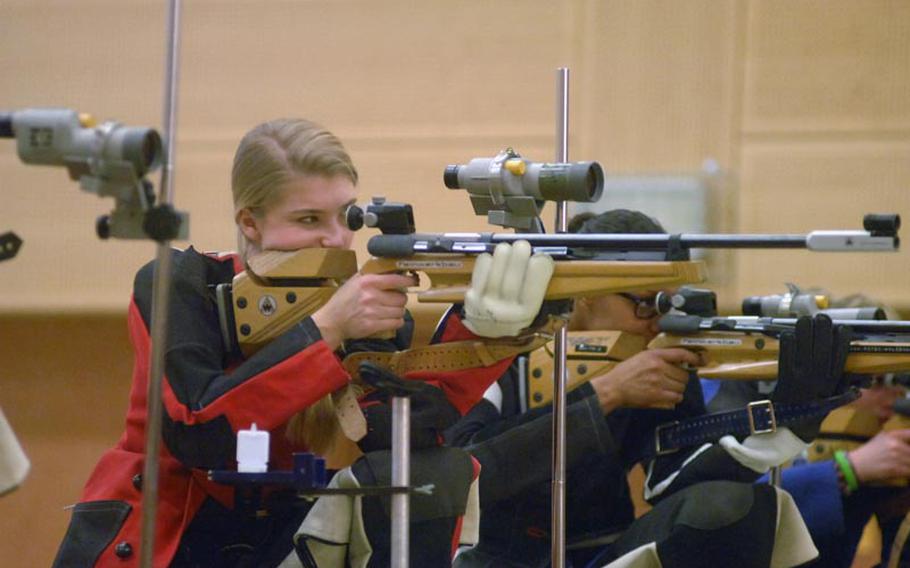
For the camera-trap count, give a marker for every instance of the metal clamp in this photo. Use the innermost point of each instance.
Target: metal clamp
(658, 448)
(773, 419)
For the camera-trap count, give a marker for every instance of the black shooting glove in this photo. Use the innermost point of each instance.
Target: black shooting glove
(431, 411)
(811, 366)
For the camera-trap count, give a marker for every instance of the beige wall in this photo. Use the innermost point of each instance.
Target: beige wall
(802, 103)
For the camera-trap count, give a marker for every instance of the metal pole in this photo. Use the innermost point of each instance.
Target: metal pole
(774, 476)
(401, 477)
(558, 509)
(160, 294)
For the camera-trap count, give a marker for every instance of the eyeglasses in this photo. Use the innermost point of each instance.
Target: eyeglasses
(645, 308)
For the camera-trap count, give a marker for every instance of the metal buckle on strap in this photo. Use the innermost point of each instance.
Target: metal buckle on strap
(661, 451)
(773, 419)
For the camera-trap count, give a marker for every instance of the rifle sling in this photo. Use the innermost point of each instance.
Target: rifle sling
(453, 356)
(759, 417)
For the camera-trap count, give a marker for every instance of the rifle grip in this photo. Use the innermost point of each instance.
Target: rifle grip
(384, 335)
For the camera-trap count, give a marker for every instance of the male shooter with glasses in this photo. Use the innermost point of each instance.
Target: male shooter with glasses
(707, 510)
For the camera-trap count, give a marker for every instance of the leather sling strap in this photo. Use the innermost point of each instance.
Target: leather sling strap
(455, 355)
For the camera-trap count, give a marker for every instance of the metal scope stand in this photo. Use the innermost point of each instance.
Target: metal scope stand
(400, 392)
(160, 297)
(558, 506)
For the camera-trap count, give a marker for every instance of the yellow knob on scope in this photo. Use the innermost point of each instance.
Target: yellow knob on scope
(516, 166)
(822, 302)
(87, 121)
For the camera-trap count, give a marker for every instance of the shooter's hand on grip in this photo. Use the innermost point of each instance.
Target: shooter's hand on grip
(650, 379)
(507, 290)
(365, 305)
(811, 365)
(883, 458)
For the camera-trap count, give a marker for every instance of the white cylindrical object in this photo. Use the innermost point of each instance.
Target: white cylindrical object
(252, 450)
(401, 477)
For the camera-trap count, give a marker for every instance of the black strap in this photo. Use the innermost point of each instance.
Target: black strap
(759, 417)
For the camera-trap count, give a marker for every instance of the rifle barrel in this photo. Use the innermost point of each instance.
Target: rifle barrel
(691, 324)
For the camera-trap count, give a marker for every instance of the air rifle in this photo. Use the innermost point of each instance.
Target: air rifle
(735, 348)
(747, 348)
(280, 288)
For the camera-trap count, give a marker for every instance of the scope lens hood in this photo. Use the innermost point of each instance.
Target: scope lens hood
(143, 148)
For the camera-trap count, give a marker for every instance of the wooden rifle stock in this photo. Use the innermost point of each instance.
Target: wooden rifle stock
(731, 355)
(753, 356)
(450, 275)
(278, 289)
(589, 354)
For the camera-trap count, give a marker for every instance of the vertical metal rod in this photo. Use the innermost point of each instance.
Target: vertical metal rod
(774, 476)
(558, 508)
(160, 298)
(401, 477)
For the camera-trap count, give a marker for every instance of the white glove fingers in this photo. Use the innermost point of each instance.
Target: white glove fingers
(516, 271)
(480, 276)
(501, 255)
(537, 279)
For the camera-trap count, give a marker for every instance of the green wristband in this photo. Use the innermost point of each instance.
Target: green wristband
(843, 462)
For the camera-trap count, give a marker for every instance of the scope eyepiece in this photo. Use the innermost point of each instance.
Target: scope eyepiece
(353, 217)
(692, 301)
(752, 306)
(450, 176)
(389, 217)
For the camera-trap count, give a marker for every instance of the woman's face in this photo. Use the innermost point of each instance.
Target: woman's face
(309, 214)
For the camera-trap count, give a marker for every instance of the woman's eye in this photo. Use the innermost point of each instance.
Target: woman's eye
(308, 220)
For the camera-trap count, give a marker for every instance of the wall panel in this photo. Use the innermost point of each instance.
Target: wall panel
(657, 84)
(798, 187)
(828, 66)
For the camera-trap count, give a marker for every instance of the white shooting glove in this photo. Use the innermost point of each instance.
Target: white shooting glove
(507, 290)
(760, 452)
